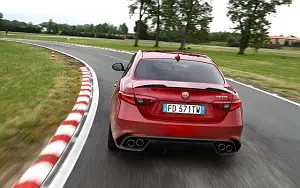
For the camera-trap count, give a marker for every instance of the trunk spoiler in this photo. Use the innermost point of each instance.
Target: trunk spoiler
(187, 85)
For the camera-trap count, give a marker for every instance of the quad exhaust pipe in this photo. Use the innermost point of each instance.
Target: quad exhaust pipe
(224, 147)
(134, 142)
(140, 142)
(131, 143)
(221, 147)
(228, 148)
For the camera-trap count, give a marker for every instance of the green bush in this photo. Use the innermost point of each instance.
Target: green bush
(296, 44)
(272, 46)
(286, 43)
(233, 42)
(129, 37)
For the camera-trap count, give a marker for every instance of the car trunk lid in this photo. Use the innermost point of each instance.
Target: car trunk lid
(170, 92)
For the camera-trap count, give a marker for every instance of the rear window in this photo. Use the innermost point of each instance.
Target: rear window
(183, 71)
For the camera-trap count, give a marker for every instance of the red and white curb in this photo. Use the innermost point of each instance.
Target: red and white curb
(39, 170)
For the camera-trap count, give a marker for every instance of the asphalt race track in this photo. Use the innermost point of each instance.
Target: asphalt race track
(269, 156)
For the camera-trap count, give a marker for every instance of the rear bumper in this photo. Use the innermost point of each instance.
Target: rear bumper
(197, 131)
(130, 122)
(221, 146)
(137, 125)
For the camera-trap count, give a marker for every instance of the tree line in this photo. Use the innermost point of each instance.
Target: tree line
(104, 30)
(18, 26)
(189, 19)
(107, 30)
(65, 29)
(184, 21)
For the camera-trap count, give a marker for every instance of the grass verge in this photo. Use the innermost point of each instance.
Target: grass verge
(291, 48)
(216, 43)
(275, 71)
(36, 94)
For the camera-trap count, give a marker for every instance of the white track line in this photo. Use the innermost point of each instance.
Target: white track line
(268, 93)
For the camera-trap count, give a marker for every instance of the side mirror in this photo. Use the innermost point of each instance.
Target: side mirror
(118, 67)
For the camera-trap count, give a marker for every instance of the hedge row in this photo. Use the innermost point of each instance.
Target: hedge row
(26, 29)
(97, 35)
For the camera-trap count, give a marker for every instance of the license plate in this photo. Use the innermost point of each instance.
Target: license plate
(183, 109)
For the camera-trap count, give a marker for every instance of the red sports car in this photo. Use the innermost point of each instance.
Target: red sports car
(166, 96)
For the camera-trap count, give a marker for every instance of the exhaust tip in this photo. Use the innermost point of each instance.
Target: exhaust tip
(228, 148)
(221, 147)
(130, 143)
(224, 147)
(140, 142)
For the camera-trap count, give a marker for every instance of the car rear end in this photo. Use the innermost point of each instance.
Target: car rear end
(172, 100)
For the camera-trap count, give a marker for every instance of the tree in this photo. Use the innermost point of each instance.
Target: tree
(219, 36)
(18, 26)
(44, 24)
(1, 20)
(171, 29)
(142, 7)
(52, 27)
(123, 29)
(154, 13)
(143, 34)
(65, 29)
(170, 15)
(250, 17)
(86, 27)
(195, 15)
(233, 42)
(286, 43)
(198, 36)
(91, 28)
(259, 35)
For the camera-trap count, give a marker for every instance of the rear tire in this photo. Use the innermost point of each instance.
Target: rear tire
(110, 141)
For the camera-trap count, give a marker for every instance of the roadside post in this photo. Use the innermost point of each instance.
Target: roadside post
(52, 56)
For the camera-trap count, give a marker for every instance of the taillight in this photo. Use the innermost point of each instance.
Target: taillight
(235, 104)
(230, 106)
(136, 99)
(141, 99)
(127, 97)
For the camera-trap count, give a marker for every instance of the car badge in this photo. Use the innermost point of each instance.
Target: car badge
(185, 95)
(221, 96)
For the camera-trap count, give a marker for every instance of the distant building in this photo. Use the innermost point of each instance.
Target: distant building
(280, 40)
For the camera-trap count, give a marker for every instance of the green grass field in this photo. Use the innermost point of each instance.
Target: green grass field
(291, 48)
(21, 33)
(36, 94)
(277, 71)
(215, 43)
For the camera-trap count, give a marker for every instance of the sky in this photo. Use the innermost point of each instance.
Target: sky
(116, 12)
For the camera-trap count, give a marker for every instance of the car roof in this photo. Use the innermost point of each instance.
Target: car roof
(168, 54)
